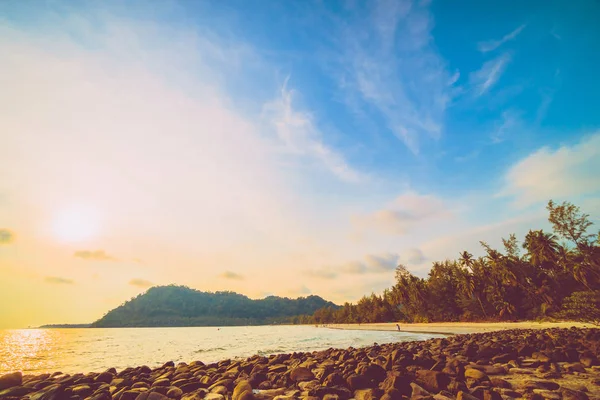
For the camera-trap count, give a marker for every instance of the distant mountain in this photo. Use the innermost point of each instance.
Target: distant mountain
(181, 306)
(61, 326)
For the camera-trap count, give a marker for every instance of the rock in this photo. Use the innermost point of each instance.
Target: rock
(418, 390)
(541, 357)
(433, 381)
(242, 391)
(52, 392)
(367, 394)
(198, 395)
(521, 371)
(214, 396)
(103, 396)
(105, 377)
(503, 358)
(342, 393)
(269, 394)
(174, 392)
(354, 381)
(301, 374)
(548, 394)
(15, 391)
(476, 375)
(588, 359)
(400, 383)
(220, 390)
(373, 372)
(465, 396)
(485, 393)
(82, 390)
(10, 380)
(501, 383)
(190, 387)
(574, 367)
(570, 394)
(161, 382)
(540, 384)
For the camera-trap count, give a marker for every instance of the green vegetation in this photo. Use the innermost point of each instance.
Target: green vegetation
(550, 279)
(181, 306)
(65, 326)
(582, 306)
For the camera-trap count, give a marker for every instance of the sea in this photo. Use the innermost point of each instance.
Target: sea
(35, 351)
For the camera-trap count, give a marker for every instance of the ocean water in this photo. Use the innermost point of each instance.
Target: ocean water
(95, 350)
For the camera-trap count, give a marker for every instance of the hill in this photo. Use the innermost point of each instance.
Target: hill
(181, 306)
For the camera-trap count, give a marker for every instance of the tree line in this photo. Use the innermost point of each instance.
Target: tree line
(549, 275)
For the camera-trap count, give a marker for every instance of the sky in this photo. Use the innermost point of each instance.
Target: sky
(280, 147)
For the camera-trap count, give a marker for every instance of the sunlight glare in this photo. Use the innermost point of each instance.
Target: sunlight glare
(75, 224)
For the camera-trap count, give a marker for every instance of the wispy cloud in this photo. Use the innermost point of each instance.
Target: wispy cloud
(6, 236)
(322, 273)
(391, 65)
(413, 256)
(143, 283)
(231, 275)
(58, 280)
(491, 45)
(371, 264)
(96, 255)
(300, 135)
(561, 173)
(489, 74)
(506, 127)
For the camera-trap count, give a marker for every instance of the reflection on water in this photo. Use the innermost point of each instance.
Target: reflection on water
(85, 350)
(27, 348)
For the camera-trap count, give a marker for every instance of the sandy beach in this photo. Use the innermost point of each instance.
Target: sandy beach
(460, 327)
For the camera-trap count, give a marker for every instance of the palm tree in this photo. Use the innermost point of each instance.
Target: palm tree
(542, 249)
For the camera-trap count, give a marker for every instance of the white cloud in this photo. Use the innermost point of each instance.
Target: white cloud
(489, 74)
(404, 214)
(391, 65)
(491, 45)
(299, 134)
(562, 173)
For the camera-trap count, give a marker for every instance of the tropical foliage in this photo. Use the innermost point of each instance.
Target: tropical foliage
(551, 274)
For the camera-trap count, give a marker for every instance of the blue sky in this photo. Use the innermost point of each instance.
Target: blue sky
(314, 144)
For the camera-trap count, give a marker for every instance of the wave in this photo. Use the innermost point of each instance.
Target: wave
(273, 351)
(209, 350)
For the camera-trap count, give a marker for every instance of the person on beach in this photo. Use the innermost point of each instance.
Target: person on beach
(398, 326)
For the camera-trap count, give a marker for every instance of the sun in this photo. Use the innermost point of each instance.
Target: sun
(75, 224)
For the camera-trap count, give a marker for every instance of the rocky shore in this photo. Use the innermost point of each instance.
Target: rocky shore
(551, 364)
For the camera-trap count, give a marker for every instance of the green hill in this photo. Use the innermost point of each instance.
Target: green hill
(181, 306)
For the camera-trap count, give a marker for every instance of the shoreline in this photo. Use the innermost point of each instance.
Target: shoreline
(552, 363)
(457, 328)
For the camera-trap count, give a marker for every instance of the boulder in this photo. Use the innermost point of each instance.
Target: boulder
(242, 391)
(475, 374)
(540, 384)
(433, 381)
(301, 374)
(10, 380)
